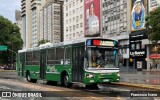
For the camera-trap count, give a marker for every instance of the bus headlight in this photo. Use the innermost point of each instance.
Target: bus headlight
(118, 74)
(90, 75)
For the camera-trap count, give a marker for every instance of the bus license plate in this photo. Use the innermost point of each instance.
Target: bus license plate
(106, 80)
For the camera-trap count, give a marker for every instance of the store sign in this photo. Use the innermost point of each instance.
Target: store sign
(155, 56)
(138, 53)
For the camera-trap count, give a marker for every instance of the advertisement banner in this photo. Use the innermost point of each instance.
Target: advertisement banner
(92, 18)
(153, 4)
(138, 13)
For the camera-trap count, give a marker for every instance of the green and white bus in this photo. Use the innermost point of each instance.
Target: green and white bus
(89, 61)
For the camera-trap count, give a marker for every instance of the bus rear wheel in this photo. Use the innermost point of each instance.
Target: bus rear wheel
(28, 77)
(65, 82)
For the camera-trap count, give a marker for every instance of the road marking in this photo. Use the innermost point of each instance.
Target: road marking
(4, 87)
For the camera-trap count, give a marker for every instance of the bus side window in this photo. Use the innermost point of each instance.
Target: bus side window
(59, 55)
(67, 56)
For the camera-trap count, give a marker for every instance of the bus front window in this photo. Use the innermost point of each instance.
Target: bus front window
(101, 58)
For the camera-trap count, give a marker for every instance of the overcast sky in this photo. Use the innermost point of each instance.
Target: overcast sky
(8, 7)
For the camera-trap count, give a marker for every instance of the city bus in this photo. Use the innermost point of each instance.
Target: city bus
(89, 61)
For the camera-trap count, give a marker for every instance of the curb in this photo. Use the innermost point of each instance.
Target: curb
(7, 70)
(144, 86)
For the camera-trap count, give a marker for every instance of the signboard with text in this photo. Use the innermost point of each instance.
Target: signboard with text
(92, 18)
(3, 48)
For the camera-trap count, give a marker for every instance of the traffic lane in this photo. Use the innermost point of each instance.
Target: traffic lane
(9, 74)
(110, 93)
(58, 91)
(131, 93)
(65, 93)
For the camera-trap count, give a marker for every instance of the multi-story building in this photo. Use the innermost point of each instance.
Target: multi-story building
(26, 23)
(18, 20)
(73, 19)
(36, 5)
(30, 21)
(116, 25)
(51, 27)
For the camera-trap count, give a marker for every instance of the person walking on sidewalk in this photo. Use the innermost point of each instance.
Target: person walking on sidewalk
(156, 66)
(150, 66)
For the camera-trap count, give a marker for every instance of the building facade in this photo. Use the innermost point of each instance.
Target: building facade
(51, 21)
(18, 20)
(36, 5)
(116, 25)
(30, 21)
(73, 19)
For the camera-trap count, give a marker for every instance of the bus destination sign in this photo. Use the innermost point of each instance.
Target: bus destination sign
(97, 42)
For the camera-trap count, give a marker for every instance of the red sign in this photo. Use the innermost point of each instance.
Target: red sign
(92, 18)
(155, 56)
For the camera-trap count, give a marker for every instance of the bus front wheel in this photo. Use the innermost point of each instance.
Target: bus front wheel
(28, 77)
(65, 82)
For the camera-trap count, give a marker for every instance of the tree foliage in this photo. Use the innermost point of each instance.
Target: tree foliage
(11, 37)
(43, 41)
(153, 25)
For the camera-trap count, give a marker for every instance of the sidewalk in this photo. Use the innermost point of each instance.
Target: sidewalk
(143, 79)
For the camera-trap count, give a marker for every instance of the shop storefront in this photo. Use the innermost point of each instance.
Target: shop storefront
(155, 56)
(137, 51)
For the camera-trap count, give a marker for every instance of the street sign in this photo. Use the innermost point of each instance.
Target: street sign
(3, 48)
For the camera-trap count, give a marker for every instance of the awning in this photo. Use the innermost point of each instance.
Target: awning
(155, 56)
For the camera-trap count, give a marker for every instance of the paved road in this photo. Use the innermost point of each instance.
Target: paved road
(14, 84)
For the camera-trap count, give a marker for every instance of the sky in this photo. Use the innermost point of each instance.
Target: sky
(8, 7)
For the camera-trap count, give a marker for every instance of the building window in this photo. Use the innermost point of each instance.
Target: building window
(74, 27)
(73, 3)
(81, 16)
(132, 46)
(81, 24)
(73, 34)
(73, 11)
(69, 5)
(66, 14)
(66, 29)
(77, 18)
(70, 28)
(77, 25)
(66, 8)
(73, 19)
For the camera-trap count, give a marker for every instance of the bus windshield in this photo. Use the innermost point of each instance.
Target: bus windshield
(101, 58)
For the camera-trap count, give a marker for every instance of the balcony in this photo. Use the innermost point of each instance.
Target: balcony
(23, 3)
(23, 13)
(23, 7)
(23, 0)
(32, 1)
(33, 5)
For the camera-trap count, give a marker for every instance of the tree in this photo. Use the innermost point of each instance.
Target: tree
(153, 28)
(43, 41)
(11, 37)
(153, 25)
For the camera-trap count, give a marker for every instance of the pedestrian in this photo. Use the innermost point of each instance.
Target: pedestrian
(150, 66)
(156, 66)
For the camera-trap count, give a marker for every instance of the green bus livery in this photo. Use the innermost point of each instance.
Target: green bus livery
(87, 60)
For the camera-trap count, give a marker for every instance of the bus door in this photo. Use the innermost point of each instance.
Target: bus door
(42, 64)
(78, 63)
(22, 60)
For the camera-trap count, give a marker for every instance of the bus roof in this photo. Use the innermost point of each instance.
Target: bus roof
(50, 45)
